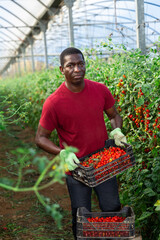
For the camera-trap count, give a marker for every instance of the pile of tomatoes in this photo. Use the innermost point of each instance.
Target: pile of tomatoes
(108, 161)
(106, 227)
(106, 219)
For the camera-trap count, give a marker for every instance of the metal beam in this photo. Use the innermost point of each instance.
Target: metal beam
(51, 11)
(24, 58)
(32, 54)
(140, 25)
(43, 28)
(13, 34)
(8, 37)
(19, 66)
(69, 4)
(29, 55)
(12, 26)
(9, 43)
(15, 16)
(26, 10)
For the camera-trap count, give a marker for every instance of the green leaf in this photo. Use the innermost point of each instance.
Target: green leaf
(29, 171)
(32, 151)
(138, 85)
(157, 208)
(6, 181)
(70, 148)
(157, 203)
(41, 166)
(149, 192)
(140, 101)
(41, 162)
(145, 215)
(139, 160)
(147, 183)
(145, 170)
(48, 209)
(55, 213)
(146, 89)
(40, 159)
(151, 105)
(21, 150)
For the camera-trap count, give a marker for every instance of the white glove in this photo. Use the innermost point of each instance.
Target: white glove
(118, 137)
(70, 159)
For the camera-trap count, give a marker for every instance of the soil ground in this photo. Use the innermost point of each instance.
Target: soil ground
(22, 217)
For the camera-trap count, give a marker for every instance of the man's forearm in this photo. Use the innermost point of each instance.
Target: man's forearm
(116, 122)
(47, 145)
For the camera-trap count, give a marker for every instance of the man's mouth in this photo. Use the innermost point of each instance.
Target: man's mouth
(78, 76)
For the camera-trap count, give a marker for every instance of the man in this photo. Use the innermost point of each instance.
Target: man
(76, 110)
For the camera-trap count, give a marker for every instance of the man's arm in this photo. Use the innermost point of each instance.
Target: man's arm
(42, 140)
(116, 123)
(114, 117)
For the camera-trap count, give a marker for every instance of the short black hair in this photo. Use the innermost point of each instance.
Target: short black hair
(69, 51)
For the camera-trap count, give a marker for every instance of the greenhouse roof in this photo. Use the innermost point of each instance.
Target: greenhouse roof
(26, 25)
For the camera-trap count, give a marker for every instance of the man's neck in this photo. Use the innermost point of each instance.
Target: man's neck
(75, 88)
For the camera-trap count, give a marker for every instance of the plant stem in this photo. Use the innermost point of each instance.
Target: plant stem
(41, 177)
(15, 111)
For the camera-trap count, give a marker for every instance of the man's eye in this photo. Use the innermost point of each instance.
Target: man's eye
(70, 65)
(81, 64)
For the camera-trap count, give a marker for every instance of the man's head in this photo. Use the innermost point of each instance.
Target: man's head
(73, 68)
(69, 51)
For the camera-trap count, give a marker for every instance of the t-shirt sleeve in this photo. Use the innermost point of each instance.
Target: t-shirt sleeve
(109, 99)
(48, 116)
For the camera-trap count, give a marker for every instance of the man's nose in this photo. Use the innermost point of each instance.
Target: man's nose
(76, 68)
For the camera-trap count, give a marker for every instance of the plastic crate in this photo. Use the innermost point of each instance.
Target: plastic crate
(105, 230)
(93, 177)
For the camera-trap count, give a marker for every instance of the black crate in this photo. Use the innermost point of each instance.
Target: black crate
(93, 177)
(105, 230)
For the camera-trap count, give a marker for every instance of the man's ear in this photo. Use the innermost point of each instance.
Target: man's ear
(61, 69)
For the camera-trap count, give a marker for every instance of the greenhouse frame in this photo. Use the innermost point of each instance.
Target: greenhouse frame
(34, 32)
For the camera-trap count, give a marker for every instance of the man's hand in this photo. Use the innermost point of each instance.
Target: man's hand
(118, 136)
(70, 159)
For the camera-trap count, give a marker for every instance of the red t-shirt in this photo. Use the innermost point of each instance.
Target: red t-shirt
(78, 117)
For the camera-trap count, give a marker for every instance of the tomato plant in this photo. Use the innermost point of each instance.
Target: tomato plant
(134, 80)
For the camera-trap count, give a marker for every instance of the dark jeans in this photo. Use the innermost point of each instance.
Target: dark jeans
(80, 196)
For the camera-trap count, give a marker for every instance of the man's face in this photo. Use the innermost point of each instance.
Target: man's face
(73, 69)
